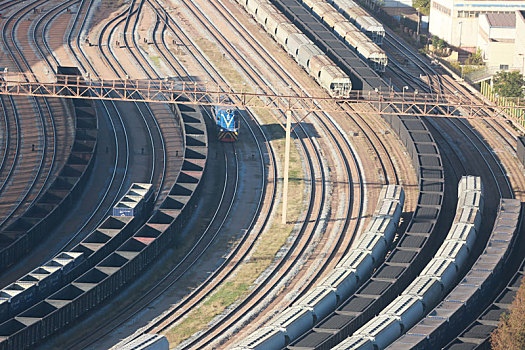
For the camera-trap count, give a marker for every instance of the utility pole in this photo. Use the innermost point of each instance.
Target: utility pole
(286, 163)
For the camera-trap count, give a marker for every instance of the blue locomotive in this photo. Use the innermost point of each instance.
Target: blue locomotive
(227, 119)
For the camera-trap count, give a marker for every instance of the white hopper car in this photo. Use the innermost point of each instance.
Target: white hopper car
(368, 24)
(355, 38)
(436, 278)
(328, 75)
(351, 271)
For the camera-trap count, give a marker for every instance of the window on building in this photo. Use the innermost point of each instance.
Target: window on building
(503, 66)
(473, 14)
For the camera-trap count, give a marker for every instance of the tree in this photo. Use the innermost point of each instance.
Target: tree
(510, 334)
(422, 6)
(475, 59)
(509, 84)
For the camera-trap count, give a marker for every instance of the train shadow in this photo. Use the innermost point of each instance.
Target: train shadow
(276, 131)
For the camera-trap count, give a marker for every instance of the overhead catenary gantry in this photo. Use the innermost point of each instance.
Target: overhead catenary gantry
(182, 92)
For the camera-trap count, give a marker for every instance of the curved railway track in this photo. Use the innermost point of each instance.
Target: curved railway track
(243, 33)
(119, 31)
(79, 45)
(18, 184)
(482, 136)
(175, 274)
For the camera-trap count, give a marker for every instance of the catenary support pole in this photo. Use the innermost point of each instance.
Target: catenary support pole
(286, 163)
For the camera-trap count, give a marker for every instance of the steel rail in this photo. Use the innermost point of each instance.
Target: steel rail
(40, 112)
(208, 25)
(215, 214)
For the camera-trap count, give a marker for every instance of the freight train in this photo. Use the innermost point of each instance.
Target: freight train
(227, 120)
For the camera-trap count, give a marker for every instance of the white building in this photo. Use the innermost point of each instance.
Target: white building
(456, 21)
(496, 35)
(519, 42)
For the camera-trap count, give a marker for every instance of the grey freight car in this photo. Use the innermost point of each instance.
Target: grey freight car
(356, 39)
(352, 270)
(435, 279)
(302, 49)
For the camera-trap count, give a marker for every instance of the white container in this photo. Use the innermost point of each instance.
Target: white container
(394, 192)
(361, 262)
(356, 39)
(454, 249)
(428, 288)
(444, 269)
(469, 215)
(469, 183)
(355, 343)
(251, 6)
(265, 338)
(343, 280)
(273, 20)
(333, 17)
(316, 63)
(321, 8)
(305, 53)
(463, 232)
(320, 300)
(383, 328)
(343, 28)
(471, 199)
(409, 308)
(263, 11)
(389, 207)
(383, 225)
(335, 81)
(375, 244)
(294, 321)
(295, 41)
(284, 30)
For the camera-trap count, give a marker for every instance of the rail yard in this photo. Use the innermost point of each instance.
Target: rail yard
(190, 218)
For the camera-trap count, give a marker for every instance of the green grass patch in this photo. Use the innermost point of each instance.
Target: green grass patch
(238, 286)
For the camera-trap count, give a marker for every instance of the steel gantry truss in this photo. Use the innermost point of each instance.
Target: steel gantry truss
(182, 92)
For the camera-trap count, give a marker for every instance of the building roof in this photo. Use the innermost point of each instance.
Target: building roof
(502, 19)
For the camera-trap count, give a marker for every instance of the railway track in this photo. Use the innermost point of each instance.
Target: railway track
(502, 138)
(301, 244)
(47, 147)
(482, 137)
(172, 277)
(333, 163)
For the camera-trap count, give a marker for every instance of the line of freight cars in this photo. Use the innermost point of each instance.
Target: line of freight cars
(434, 282)
(477, 334)
(128, 261)
(362, 20)
(413, 250)
(363, 77)
(305, 53)
(349, 33)
(353, 269)
(128, 214)
(465, 299)
(25, 232)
